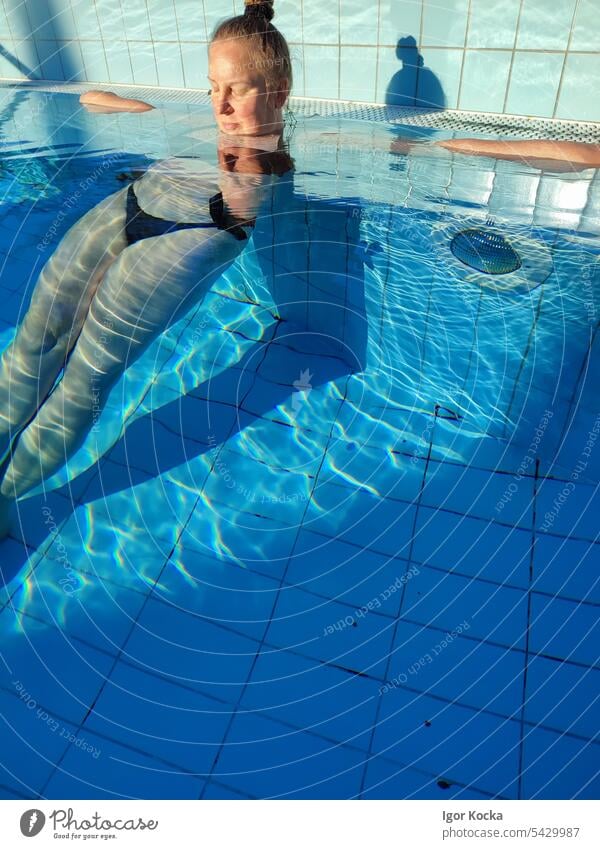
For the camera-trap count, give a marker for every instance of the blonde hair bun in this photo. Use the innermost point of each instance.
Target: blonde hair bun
(260, 9)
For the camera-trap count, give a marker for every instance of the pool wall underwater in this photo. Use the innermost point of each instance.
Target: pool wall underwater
(536, 58)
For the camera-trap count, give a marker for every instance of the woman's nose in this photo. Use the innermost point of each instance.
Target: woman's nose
(222, 106)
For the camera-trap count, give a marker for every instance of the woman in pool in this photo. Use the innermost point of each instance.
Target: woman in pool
(140, 259)
(130, 267)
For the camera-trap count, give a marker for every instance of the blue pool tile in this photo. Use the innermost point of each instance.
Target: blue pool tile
(246, 538)
(154, 508)
(282, 446)
(211, 372)
(388, 780)
(564, 629)
(13, 793)
(118, 61)
(269, 760)
(458, 743)
(567, 567)
(567, 509)
(320, 23)
(569, 457)
(383, 473)
(172, 423)
(484, 81)
(445, 25)
(472, 546)
(312, 696)
(94, 61)
(30, 650)
(27, 52)
(243, 483)
(191, 23)
(286, 363)
(281, 403)
(581, 71)
(36, 518)
(348, 573)
(476, 492)
(491, 25)
(178, 432)
(533, 84)
(321, 71)
(143, 62)
(18, 25)
(218, 790)
(583, 33)
(360, 517)
(163, 22)
(136, 21)
(98, 612)
(325, 630)
(355, 423)
(169, 65)
(215, 12)
(289, 22)
(224, 592)
(559, 767)
(543, 27)
(63, 22)
(106, 552)
(154, 716)
(199, 654)
(357, 72)
(358, 24)
(118, 772)
(110, 16)
(34, 739)
(562, 696)
(475, 673)
(227, 386)
(487, 612)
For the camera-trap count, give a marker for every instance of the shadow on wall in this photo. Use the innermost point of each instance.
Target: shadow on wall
(414, 84)
(41, 34)
(16, 63)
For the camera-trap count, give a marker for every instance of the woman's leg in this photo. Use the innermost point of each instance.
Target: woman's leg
(151, 285)
(59, 304)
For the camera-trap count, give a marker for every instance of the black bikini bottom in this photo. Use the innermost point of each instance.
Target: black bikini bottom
(141, 225)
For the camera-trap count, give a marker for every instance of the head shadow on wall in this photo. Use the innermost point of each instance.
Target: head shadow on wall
(414, 84)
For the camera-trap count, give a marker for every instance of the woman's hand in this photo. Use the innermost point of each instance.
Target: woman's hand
(108, 101)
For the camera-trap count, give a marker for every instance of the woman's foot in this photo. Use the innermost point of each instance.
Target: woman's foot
(6, 516)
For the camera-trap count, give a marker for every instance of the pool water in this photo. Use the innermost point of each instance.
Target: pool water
(334, 534)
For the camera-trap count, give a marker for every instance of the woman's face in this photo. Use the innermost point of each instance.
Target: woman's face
(241, 99)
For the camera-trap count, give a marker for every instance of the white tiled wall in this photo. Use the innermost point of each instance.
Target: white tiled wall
(524, 57)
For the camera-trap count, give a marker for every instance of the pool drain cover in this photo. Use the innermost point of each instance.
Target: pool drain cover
(486, 251)
(474, 251)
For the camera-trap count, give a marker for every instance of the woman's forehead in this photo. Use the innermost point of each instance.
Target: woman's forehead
(231, 61)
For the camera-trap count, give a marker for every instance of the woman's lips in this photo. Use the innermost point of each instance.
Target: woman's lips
(229, 126)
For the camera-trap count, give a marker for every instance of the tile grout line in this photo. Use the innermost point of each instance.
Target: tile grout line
(527, 641)
(395, 627)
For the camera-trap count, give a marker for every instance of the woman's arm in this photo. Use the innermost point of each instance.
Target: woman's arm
(531, 152)
(538, 153)
(108, 101)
